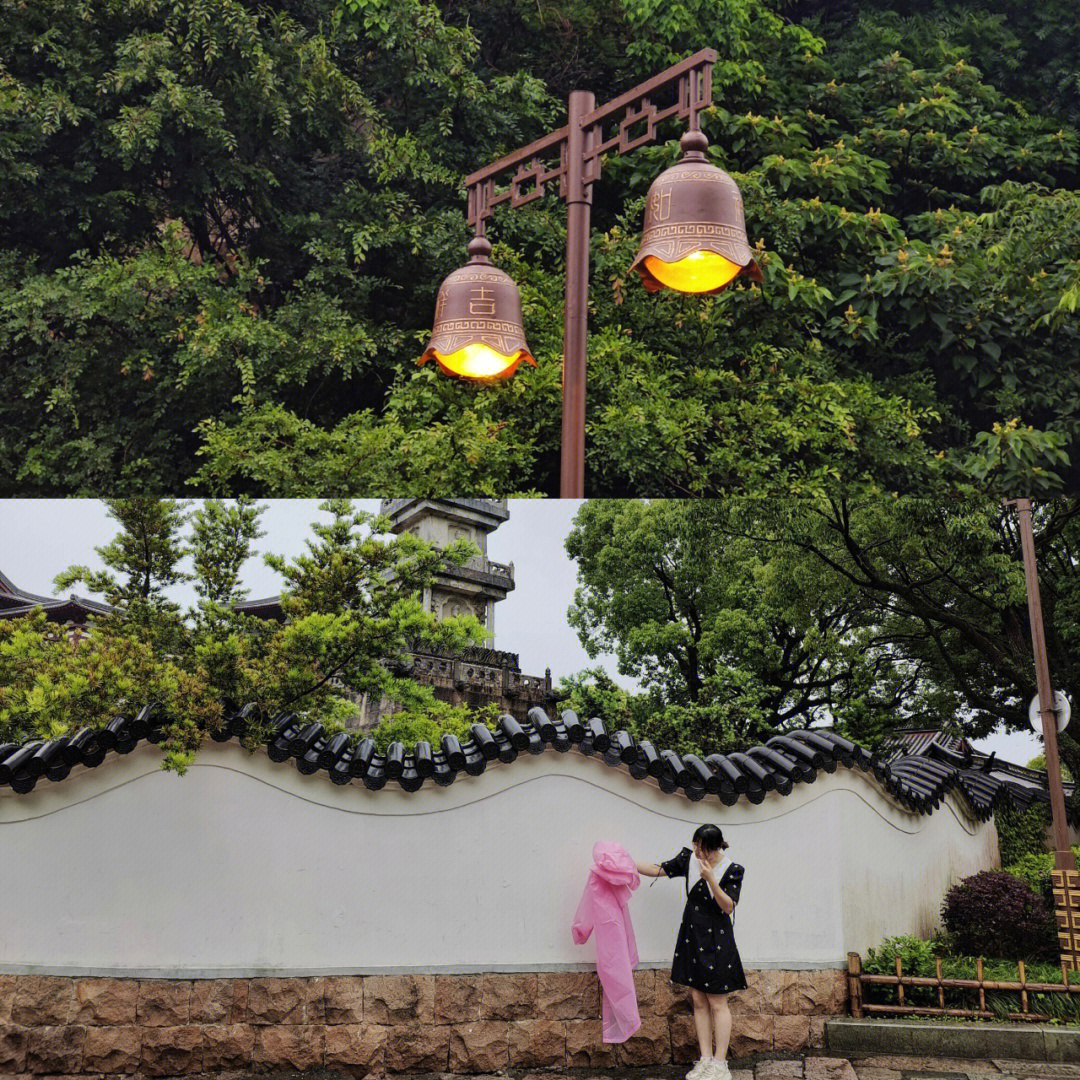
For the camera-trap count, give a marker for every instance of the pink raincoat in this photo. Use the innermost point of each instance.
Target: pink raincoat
(603, 908)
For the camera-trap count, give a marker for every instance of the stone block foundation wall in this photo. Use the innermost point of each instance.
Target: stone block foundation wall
(378, 1024)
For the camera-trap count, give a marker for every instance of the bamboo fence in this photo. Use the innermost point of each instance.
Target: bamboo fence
(857, 979)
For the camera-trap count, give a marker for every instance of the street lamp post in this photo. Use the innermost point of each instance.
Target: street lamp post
(694, 239)
(1065, 877)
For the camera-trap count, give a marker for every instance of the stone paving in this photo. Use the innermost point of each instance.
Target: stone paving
(879, 1067)
(788, 1067)
(824, 1067)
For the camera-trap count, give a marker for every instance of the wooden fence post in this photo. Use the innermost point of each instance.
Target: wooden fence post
(854, 966)
(857, 978)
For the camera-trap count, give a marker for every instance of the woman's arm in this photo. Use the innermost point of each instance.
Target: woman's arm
(721, 897)
(649, 869)
(726, 903)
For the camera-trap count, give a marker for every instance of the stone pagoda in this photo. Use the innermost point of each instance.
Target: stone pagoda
(475, 587)
(480, 675)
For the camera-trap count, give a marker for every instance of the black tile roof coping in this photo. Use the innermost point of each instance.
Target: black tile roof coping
(918, 781)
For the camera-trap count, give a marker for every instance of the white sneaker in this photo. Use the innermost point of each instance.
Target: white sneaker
(718, 1070)
(701, 1067)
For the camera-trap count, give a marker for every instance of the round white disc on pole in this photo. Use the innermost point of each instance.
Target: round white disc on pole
(1062, 711)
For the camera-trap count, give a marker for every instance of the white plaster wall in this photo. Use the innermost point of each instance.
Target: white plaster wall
(244, 866)
(900, 870)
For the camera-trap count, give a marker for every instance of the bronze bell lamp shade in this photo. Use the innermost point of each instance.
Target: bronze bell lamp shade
(478, 332)
(694, 239)
(694, 236)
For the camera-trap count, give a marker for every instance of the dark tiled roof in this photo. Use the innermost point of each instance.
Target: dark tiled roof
(16, 602)
(919, 741)
(979, 770)
(917, 782)
(267, 608)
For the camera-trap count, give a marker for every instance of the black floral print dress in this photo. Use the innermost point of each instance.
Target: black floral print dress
(706, 957)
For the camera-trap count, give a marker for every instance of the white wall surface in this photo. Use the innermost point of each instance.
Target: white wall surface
(899, 868)
(244, 866)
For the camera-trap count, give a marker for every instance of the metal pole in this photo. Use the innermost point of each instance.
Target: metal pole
(1064, 877)
(576, 312)
(578, 145)
(1063, 857)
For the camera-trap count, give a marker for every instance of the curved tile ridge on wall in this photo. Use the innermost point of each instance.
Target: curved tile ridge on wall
(796, 757)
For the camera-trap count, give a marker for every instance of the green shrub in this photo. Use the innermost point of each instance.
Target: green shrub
(918, 958)
(916, 955)
(1021, 833)
(410, 727)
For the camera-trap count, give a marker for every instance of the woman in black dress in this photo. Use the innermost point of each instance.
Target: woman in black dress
(706, 958)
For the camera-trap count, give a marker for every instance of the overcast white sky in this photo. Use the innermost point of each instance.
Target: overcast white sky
(41, 537)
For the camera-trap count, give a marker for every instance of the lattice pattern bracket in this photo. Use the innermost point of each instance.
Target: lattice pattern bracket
(532, 167)
(693, 93)
(1066, 886)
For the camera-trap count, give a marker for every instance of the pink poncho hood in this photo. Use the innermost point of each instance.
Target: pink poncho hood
(603, 908)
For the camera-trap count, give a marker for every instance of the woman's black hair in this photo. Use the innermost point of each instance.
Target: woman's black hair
(710, 838)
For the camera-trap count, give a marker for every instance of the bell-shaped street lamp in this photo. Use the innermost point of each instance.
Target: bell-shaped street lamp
(694, 236)
(694, 239)
(478, 332)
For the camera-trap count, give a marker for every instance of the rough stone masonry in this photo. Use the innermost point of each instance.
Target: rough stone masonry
(378, 1024)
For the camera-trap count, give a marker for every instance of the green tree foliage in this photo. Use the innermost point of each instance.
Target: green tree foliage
(1030, 51)
(1039, 762)
(222, 536)
(949, 602)
(50, 687)
(224, 227)
(146, 553)
(142, 562)
(870, 614)
(351, 603)
(733, 639)
(593, 692)
(430, 722)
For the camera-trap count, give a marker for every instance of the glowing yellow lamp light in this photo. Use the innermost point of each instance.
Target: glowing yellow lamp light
(694, 236)
(478, 332)
(697, 272)
(479, 361)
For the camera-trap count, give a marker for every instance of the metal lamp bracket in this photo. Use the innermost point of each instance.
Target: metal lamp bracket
(533, 167)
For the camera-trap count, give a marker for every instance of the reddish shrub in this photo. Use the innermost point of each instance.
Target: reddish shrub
(993, 913)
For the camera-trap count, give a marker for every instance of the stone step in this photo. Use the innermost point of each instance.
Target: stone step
(953, 1039)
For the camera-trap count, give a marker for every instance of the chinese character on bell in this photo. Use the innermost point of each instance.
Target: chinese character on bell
(481, 301)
